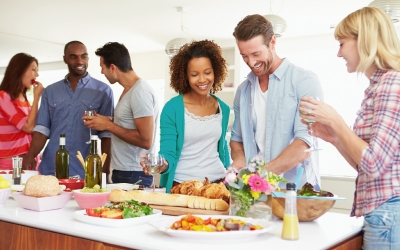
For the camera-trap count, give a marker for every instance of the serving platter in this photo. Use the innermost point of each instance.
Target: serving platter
(164, 226)
(105, 222)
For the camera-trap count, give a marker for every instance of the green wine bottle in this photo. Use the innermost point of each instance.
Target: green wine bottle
(62, 160)
(93, 165)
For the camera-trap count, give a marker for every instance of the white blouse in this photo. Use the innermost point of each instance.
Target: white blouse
(199, 157)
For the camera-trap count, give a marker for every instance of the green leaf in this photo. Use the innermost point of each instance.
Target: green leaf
(263, 198)
(234, 185)
(240, 183)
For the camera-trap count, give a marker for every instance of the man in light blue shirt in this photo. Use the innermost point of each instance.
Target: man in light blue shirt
(61, 111)
(267, 121)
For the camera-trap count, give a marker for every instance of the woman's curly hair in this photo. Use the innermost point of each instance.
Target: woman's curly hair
(196, 49)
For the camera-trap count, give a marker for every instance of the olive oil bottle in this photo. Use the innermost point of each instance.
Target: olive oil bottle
(93, 165)
(62, 160)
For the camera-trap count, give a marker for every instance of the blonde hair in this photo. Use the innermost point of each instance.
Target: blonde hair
(377, 41)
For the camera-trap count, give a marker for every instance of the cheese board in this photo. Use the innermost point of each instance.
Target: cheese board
(170, 210)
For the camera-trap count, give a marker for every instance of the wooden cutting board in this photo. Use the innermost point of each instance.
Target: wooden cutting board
(168, 210)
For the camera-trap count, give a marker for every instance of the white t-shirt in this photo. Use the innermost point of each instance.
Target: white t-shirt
(260, 110)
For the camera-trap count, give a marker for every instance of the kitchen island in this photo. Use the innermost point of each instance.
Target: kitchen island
(58, 229)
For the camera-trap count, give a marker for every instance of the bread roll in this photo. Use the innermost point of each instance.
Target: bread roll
(42, 186)
(175, 200)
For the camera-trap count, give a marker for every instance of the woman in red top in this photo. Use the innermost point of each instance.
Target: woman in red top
(17, 116)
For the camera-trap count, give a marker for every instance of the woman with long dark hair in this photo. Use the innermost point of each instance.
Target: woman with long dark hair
(17, 115)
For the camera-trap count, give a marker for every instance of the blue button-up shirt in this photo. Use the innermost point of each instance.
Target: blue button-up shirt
(61, 111)
(287, 85)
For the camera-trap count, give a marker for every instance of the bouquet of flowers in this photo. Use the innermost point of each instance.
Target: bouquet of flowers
(250, 184)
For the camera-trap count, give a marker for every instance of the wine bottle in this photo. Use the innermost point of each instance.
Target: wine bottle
(93, 165)
(62, 160)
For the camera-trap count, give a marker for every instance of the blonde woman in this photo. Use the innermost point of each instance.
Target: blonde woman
(369, 44)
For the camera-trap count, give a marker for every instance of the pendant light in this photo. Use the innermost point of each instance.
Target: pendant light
(391, 7)
(173, 46)
(278, 23)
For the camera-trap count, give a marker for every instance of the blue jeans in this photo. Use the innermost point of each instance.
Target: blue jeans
(131, 177)
(382, 226)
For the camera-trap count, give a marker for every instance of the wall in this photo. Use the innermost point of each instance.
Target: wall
(316, 53)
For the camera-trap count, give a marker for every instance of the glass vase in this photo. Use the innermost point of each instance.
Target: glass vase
(254, 209)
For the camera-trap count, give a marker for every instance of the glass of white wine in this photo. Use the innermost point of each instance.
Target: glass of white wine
(154, 163)
(89, 113)
(314, 146)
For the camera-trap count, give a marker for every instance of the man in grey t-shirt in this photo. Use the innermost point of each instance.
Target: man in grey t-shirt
(136, 116)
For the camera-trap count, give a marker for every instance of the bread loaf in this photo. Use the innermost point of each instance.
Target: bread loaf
(164, 199)
(42, 186)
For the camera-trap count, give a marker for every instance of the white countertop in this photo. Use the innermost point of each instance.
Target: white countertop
(328, 230)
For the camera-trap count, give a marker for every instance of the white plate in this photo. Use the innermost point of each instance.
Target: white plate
(164, 226)
(82, 216)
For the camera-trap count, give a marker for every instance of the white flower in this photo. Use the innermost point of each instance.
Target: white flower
(230, 177)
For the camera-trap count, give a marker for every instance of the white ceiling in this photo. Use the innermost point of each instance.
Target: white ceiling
(42, 27)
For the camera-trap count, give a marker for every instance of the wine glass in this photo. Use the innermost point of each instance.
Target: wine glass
(154, 163)
(310, 129)
(89, 113)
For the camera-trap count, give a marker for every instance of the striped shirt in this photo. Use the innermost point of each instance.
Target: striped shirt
(378, 123)
(13, 116)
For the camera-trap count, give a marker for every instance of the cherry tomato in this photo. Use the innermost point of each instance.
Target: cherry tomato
(95, 212)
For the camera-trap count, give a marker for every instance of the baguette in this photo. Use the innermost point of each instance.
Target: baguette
(175, 200)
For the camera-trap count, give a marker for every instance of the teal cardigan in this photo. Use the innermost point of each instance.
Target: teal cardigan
(172, 129)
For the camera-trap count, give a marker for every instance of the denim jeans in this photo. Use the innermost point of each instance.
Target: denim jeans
(131, 177)
(382, 226)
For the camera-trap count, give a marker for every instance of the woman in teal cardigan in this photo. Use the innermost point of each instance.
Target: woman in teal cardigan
(193, 124)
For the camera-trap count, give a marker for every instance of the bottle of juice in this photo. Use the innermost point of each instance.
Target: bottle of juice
(290, 229)
(93, 166)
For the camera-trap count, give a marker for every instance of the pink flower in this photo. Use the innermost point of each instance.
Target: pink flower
(269, 188)
(258, 184)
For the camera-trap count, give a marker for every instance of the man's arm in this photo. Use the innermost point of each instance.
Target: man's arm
(290, 157)
(237, 154)
(106, 148)
(142, 136)
(38, 142)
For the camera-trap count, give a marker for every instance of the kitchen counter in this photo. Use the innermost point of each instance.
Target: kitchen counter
(331, 229)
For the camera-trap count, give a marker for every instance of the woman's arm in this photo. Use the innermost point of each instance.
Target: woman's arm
(31, 120)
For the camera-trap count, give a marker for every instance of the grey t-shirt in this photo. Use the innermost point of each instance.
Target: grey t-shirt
(139, 101)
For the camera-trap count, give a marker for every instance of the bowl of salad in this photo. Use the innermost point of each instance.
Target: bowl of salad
(311, 204)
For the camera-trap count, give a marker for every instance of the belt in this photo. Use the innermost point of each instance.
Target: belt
(174, 183)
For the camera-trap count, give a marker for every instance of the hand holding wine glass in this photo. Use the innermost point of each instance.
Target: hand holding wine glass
(154, 164)
(89, 113)
(310, 129)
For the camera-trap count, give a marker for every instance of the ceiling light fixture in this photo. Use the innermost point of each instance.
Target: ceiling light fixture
(278, 23)
(173, 46)
(391, 7)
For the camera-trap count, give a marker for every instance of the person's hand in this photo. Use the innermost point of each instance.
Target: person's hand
(97, 122)
(143, 165)
(238, 165)
(318, 111)
(28, 163)
(37, 90)
(322, 131)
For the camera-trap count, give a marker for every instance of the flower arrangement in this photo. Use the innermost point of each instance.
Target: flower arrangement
(251, 184)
